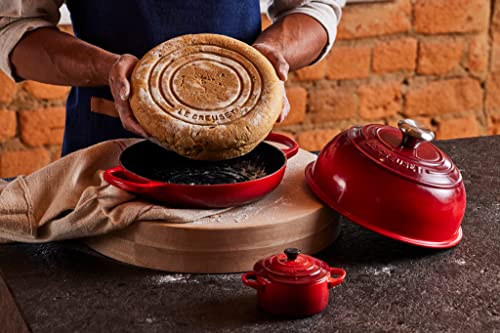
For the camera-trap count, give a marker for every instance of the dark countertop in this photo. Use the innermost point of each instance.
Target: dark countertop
(390, 286)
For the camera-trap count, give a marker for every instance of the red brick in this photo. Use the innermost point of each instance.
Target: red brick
(494, 125)
(55, 152)
(444, 16)
(493, 94)
(495, 19)
(346, 62)
(458, 128)
(440, 56)
(395, 55)
(8, 125)
(265, 21)
(316, 139)
(67, 28)
(368, 20)
(43, 126)
(314, 72)
(440, 97)
(22, 162)
(8, 89)
(477, 57)
(495, 57)
(331, 104)
(495, 52)
(45, 91)
(297, 97)
(379, 101)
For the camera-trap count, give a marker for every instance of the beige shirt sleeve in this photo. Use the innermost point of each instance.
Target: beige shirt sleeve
(326, 12)
(20, 16)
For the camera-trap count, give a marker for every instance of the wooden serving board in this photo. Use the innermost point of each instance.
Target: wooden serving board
(290, 216)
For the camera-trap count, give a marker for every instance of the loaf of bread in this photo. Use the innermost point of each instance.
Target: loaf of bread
(206, 96)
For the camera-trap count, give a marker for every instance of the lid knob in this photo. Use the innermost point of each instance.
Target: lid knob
(414, 133)
(292, 253)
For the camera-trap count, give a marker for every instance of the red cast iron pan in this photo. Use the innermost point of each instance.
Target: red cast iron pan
(166, 177)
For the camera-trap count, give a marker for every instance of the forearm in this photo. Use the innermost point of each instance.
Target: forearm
(298, 37)
(51, 56)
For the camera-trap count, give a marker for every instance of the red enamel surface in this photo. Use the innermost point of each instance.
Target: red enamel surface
(422, 204)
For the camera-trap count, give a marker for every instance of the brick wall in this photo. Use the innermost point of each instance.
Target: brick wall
(437, 61)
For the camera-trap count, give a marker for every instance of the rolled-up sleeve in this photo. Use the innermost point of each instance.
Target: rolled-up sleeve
(326, 12)
(20, 16)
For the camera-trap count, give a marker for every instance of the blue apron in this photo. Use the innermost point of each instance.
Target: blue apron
(134, 27)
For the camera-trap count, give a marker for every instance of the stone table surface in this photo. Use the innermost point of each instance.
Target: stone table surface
(390, 286)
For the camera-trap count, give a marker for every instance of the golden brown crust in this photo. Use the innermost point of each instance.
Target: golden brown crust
(206, 96)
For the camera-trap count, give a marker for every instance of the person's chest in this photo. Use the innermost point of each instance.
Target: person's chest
(132, 26)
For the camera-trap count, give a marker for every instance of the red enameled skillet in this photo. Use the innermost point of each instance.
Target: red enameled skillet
(164, 176)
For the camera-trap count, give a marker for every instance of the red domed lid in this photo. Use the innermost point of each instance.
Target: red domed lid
(406, 151)
(291, 267)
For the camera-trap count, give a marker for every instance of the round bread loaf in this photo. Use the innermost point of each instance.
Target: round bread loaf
(206, 96)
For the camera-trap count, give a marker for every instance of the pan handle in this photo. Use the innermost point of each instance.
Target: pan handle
(292, 145)
(250, 279)
(118, 177)
(334, 281)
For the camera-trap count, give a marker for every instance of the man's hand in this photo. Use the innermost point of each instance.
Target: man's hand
(276, 58)
(119, 84)
(294, 41)
(281, 66)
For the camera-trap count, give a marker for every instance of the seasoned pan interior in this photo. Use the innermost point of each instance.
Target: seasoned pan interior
(150, 161)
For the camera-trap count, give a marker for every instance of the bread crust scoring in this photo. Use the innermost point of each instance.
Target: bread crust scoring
(206, 96)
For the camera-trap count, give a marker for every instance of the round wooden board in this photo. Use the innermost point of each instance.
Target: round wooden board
(290, 216)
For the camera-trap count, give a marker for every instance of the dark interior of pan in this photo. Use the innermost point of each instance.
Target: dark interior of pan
(150, 161)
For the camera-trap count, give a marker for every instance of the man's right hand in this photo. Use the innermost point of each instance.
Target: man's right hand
(119, 84)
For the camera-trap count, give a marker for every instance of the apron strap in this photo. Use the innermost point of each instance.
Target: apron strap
(103, 106)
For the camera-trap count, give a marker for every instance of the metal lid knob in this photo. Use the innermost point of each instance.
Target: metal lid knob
(414, 133)
(292, 253)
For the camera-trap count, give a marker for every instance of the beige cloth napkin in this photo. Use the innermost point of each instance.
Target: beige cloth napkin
(70, 199)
